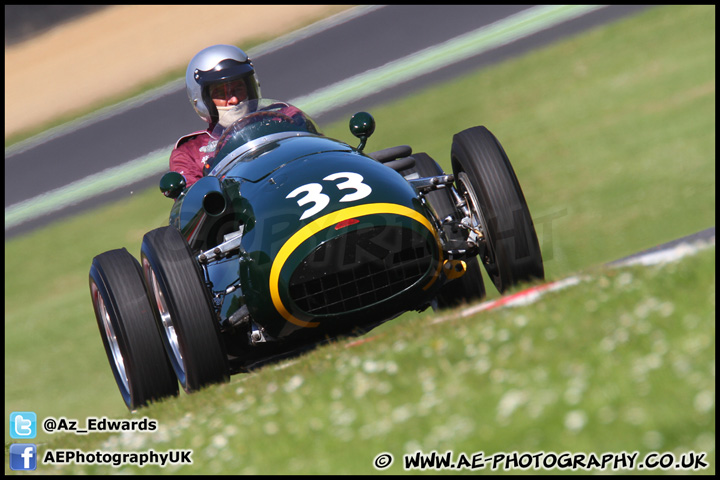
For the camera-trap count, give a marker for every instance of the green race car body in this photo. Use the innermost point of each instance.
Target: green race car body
(331, 238)
(292, 238)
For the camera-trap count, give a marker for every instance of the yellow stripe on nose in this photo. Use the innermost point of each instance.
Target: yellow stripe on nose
(329, 220)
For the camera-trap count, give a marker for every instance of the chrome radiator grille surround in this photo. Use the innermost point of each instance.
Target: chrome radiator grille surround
(359, 269)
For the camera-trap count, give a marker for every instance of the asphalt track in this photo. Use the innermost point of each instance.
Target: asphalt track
(52, 167)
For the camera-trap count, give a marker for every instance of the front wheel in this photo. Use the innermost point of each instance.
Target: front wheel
(127, 326)
(191, 334)
(487, 182)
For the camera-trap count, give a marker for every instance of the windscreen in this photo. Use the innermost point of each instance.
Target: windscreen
(253, 119)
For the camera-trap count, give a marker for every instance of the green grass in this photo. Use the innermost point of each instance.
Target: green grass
(612, 135)
(624, 361)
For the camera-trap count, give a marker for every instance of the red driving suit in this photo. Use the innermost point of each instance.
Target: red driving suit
(190, 154)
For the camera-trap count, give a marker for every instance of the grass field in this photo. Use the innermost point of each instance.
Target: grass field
(624, 361)
(612, 135)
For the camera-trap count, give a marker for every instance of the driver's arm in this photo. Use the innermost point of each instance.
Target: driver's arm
(187, 160)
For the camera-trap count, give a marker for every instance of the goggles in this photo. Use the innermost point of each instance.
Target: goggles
(228, 90)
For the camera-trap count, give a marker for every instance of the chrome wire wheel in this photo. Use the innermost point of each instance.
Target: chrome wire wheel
(166, 323)
(467, 192)
(112, 339)
(477, 222)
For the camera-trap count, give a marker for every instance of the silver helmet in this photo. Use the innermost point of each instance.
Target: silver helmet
(216, 65)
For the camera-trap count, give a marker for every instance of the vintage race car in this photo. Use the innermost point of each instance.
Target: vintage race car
(292, 238)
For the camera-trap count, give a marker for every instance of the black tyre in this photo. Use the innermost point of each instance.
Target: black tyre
(487, 181)
(188, 326)
(469, 287)
(126, 320)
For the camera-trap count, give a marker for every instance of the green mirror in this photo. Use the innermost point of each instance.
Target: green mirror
(172, 184)
(362, 125)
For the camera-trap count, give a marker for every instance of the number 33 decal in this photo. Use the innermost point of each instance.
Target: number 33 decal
(313, 192)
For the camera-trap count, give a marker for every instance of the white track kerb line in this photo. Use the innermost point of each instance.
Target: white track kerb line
(505, 31)
(88, 187)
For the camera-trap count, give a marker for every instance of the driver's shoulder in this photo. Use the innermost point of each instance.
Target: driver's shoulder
(203, 135)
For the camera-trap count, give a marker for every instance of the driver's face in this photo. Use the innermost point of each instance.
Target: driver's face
(230, 93)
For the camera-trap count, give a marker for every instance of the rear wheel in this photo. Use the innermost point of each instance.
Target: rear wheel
(186, 319)
(469, 287)
(486, 180)
(129, 333)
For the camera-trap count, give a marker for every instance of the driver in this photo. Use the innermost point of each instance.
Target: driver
(217, 78)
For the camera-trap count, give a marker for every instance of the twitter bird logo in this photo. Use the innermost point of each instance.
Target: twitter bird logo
(23, 424)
